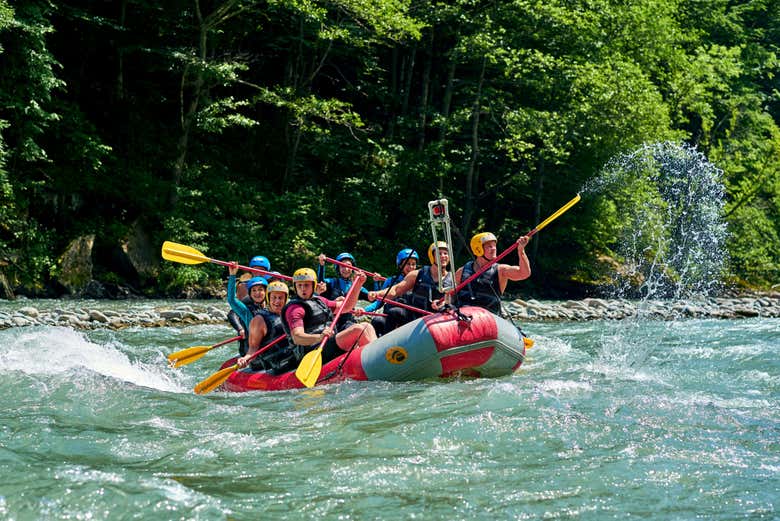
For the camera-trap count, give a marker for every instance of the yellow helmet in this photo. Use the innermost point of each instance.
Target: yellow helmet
(277, 286)
(432, 249)
(304, 275)
(478, 240)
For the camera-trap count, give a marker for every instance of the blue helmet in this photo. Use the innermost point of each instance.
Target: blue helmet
(406, 253)
(261, 262)
(341, 257)
(254, 281)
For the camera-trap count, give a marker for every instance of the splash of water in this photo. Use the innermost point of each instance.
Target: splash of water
(51, 351)
(668, 199)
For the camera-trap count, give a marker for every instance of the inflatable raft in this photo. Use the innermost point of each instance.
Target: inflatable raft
(439, 345)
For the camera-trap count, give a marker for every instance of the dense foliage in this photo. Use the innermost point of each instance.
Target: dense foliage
(290, 127)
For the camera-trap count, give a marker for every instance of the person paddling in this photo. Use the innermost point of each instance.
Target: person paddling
(258, 261)
(406, 261)
(266, 327)
(336, 288)
(242, 311)
(486, 290)
(307, 319)
(423, 284)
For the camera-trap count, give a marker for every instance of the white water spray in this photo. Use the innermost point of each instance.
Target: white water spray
(669, 199)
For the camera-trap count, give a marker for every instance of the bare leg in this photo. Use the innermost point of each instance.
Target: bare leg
(362, 333)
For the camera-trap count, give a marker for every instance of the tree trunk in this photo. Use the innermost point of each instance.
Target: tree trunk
(120, 80)
(188, 116)
(445, 109)
(220, 14)
(538, 206)
(472, 175)
(408, 73)
(394, 94)
(426, 82)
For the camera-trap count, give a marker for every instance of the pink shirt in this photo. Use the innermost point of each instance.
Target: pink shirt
(295, 312)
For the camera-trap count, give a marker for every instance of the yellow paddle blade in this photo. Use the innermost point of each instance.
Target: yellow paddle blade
(559, 212)
(310, 367)
(187, 356)
(183, 254)
(528, 343)
(215, 380)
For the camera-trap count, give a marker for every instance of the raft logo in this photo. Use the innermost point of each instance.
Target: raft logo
(396, 355)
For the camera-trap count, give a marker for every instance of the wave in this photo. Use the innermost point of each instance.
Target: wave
(51, 351)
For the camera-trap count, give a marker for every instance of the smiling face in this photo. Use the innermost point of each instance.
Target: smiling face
(257, 293)
(344, 271)
(277, 300)
(444, 255)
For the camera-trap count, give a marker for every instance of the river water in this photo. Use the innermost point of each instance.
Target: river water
(663, 420)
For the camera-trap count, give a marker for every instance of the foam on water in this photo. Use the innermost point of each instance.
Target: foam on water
(58, 350)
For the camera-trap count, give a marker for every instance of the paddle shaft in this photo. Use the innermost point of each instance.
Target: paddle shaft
(405, 306)
(350, 266)
(338, 314)
(239, 337)
(514, 246)
(266, 347)
(218, 378)
(253, 270)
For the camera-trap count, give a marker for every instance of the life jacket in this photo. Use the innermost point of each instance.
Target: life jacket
(404, 299)
(484, 291)
(337, 287)
(280, 356)
(317, 316)
(243, 344)
(426, 289)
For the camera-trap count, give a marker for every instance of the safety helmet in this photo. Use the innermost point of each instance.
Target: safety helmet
(432, 250)
(403, 255)
(304, 275)
(277, 286)
(478, 240)
(260, 261)
(254, 281)
(341, 257)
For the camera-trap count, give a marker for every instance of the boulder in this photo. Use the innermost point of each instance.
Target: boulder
(5, 288)
(76, 264)
(136, 258)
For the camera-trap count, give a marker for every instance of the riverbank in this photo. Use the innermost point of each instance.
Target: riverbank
(138, 313)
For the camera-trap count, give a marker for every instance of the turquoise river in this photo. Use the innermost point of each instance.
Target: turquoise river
(605, 420)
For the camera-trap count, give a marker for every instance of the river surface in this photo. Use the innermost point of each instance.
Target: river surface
(605, 420)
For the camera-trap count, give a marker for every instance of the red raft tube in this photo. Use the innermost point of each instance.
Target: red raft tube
(438, 345)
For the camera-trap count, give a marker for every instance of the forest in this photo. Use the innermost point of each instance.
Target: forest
(292, 127)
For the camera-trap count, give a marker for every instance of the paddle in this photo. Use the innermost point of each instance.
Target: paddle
(405, 306)
(186, 255)
(189, 355)
(218, 378)
(514, 245)
(350, 266)
(309, 369)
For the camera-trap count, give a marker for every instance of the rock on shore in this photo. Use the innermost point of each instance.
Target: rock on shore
(520, 310)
